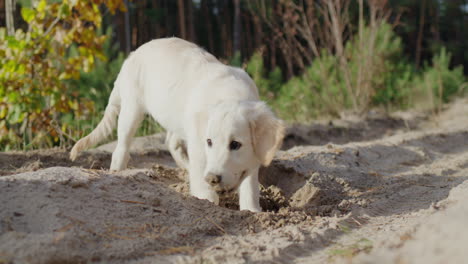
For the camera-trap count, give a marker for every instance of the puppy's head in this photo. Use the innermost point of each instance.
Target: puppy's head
(240, 136)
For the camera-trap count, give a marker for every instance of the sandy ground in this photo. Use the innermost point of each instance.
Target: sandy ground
(384, 189)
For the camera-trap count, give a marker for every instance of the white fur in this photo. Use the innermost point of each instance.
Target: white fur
(195, 98)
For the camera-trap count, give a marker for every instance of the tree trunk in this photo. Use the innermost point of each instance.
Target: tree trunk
(191, 22)
(170, 29)
(249, 43)
(436, 27)
(273, 54)
(221, 17)
(10, 21)
(228, 29)
(420, 32)
(142, 32)
(181, 8)
(257, 30)
(119, 27)
(206, 7)
(237, 28)
(157, 27)
(128, 34)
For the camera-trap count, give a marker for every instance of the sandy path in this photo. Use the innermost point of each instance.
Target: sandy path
(388, 190)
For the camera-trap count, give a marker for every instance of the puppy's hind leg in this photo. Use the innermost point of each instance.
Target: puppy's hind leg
(130, 118)
(178, 149)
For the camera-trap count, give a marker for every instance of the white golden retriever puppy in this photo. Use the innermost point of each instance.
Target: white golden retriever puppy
(216, 126)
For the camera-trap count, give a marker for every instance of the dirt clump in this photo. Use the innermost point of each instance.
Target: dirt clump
(307, 196)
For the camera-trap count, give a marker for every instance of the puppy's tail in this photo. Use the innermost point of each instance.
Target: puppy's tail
(103, 129)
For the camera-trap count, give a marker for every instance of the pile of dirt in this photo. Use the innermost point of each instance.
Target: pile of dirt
(352, 128)
(377, 190)
(146, 152)
(60, 214)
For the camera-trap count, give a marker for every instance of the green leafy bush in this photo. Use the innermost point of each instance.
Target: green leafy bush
(385, 73)
(34, 68)
(376, 74)
(269, 86)
(437, 84)
(97, 85)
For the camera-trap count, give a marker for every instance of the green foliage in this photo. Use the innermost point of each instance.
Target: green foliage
(438, 83)
(376, 73)
(268, 87)
(388, 74)
(35, 64)
(98, 83)
(95, 85)
(55, 78)
(370, 71)
(236, 60)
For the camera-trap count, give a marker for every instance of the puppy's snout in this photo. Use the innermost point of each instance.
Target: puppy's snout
(213, 179)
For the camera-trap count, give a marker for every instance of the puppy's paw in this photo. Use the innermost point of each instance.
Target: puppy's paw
(119, 160)
(208, 195)
(252, 208)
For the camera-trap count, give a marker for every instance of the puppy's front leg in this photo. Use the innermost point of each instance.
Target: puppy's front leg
(249, 192)
(198, 186)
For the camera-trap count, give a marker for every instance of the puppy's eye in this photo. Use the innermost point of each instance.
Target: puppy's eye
(208, 141)
(234, 145)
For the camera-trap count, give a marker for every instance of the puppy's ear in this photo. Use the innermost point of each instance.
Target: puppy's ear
(266, 131)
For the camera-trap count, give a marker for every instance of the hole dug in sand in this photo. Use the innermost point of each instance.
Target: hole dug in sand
(286, 189)
(282, 190)
(287, 197)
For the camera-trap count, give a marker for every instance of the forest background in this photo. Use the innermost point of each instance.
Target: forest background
(310, 59)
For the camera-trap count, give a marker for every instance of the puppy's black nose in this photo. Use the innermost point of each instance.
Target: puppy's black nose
(213, 179)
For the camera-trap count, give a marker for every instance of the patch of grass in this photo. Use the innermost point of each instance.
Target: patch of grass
(346, 229)
(149, 127)
(362, 245)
